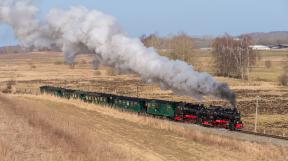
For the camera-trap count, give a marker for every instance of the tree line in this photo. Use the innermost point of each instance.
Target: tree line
(180, 46)
(232, 57)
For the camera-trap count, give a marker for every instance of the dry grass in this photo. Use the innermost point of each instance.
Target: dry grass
(271, 124)
(5, 151)
(257, 150)
(52, 137)
(15, 67)
(259, 72)
(51, 70)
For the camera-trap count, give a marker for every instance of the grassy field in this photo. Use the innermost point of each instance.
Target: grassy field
(258, 72)
(203, 61)
(26, 72)
(31, 70)
(47, 128)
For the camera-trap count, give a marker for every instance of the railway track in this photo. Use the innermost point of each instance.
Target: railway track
(264, 135)
(238, 131)
(228, 118)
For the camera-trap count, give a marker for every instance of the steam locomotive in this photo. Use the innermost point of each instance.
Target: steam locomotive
(213, 116)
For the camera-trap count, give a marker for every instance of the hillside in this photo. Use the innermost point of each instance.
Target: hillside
(270, 38)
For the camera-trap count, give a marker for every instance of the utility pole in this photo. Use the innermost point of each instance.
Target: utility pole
(248, 68)
(256, 113)
(137, 91)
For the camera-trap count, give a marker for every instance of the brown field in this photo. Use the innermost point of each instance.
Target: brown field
(26, 72)
(47, 128)
(31, 70)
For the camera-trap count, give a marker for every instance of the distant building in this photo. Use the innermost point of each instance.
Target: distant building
(259, 47)
(280, 46)
(206, 49)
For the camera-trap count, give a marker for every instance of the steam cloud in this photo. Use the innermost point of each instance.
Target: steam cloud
(79, 28)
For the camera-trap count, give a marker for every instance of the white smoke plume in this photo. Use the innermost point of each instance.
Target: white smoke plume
(79, 28)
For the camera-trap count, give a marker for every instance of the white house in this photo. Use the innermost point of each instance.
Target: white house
(260, 47)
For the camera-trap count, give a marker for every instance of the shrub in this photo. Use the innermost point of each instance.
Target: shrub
(33, 66)
(268, 64)
(72, 66)
(111, 72)
(97, 72)
(83, 62)
(9, 86)
(283, 79)
(59, 63)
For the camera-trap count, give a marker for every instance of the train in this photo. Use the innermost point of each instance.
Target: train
(211, 116)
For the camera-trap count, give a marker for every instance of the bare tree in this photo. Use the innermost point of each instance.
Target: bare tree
(233, 57)
(283, 79)
(152, 40)
(183, 45)
(180, 46)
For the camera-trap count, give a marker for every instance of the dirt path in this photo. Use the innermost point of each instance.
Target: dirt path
(35, 129)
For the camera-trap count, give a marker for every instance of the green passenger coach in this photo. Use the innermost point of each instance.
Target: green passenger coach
(161, 108)
(129, 103)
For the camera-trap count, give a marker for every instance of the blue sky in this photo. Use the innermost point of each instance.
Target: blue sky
(201, 17)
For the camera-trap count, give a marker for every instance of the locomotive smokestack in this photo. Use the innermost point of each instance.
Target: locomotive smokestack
(224, 92)
(79, 28)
